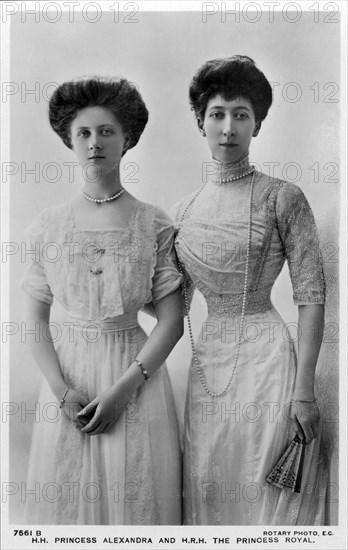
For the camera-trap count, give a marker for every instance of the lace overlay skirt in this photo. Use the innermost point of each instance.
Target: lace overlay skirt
(129, 475)
(232, 442)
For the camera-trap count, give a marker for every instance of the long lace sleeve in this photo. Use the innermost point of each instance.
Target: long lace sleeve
(299, 235)
(34, 281)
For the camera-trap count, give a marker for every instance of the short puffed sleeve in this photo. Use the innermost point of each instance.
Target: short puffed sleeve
(34, 281)
(300, 239)
(177, 213)
(166, 277)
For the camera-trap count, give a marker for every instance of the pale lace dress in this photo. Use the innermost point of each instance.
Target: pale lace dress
(131, 474)
(232, 442)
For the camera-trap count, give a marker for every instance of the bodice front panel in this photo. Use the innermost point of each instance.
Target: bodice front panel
(212, 243)
(101, 274)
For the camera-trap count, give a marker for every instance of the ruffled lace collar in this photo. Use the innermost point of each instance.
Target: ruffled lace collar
(221, 173)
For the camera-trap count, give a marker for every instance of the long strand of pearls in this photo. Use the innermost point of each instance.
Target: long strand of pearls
(198, 367)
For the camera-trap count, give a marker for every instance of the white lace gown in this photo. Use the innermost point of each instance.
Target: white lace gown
(131, 474)
(233, 441)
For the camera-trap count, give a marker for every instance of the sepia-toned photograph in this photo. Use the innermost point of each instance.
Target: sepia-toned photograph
(173, 275)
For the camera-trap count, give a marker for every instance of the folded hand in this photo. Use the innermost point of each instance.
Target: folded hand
(74, 402)
(305, 419)
(105, 409)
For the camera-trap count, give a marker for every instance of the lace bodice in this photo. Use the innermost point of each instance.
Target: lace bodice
(211, 241)
(98, 274)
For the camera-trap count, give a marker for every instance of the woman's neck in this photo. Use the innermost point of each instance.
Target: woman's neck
(221, 172)
(103, 186)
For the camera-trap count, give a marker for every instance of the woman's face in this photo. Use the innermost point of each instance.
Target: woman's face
(229, 127)
(97, 139)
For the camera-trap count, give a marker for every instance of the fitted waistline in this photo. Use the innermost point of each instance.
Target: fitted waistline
(224, 308)
(111, 324)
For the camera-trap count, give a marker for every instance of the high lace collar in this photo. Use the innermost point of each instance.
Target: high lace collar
(218, 171)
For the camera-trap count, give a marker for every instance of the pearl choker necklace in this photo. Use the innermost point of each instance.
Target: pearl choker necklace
(101, 201)
(234, 178)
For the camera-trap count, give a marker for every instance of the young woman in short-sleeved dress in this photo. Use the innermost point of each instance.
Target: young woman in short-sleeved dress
(110, 453)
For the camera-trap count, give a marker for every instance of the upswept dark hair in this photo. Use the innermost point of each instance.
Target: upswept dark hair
(230, 77)
(118, 95)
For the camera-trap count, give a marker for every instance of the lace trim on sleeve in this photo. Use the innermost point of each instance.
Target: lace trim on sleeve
(298, 232)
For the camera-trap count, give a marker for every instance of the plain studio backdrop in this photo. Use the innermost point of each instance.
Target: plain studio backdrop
(160, 51)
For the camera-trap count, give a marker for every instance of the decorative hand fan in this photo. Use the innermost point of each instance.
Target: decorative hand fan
(287, 472)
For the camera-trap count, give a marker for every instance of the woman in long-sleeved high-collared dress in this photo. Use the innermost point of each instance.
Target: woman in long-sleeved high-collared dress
(248, 391)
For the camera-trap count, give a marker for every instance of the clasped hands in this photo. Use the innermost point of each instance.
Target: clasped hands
(105, 409)
(99, 415)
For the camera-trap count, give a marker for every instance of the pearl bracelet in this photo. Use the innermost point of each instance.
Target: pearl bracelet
(62, 401)
(144, 371)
